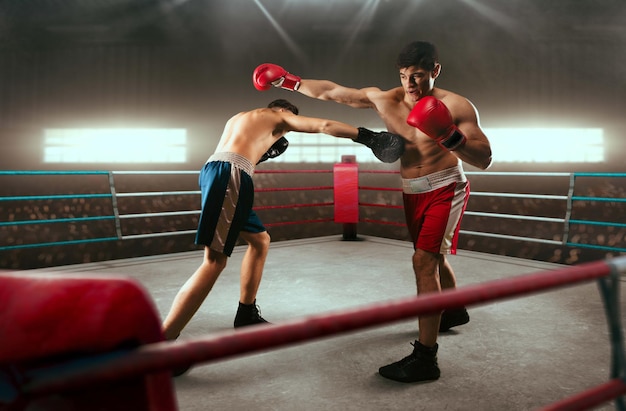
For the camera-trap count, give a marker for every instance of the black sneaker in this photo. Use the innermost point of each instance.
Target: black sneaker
(453, 318)
(421, 365)
(248, 314)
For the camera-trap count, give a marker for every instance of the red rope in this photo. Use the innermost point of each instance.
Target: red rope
(379, 188)
(269, 207)
(266, 190)
(590, 398)
(169, 355)
(290, 171)
(369, 220)
(379, 171)
(381, 205)
(319, 220)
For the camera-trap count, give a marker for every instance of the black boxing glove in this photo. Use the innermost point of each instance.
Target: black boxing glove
(275, 150)
(387, 147)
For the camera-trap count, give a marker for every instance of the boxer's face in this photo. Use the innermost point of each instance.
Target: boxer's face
(418, 82)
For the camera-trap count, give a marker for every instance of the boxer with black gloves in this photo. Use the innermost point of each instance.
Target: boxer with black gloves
(440, 130)
(227, 194)
(275, 150)
(387, 147)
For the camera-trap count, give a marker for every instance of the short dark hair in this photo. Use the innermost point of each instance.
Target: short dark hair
(282, 103)
(420, 54)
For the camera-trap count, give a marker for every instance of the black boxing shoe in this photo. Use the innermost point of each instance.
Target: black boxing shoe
(453, 318)
(248, 314)
(420, 366)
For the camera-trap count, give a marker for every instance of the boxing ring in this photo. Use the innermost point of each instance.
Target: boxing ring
(28, 379)
(345, 189)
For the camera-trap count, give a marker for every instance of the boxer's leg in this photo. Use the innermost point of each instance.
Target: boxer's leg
(426, 268)
(454, 317)
(252, 264)
(250, 277)
(193, 292)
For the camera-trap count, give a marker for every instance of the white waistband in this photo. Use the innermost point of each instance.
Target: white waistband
(236, 159)
(434, 180)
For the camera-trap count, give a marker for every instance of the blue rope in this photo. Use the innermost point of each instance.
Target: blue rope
(601, 223)
(88, 240)
(597, 247)
(57, 220)
(51, 172)
(599, 174)
(54, 197)
(604, 199)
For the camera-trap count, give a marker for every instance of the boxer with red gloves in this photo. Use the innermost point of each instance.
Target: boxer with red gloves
(387, 147)
(267, 75)
(441, 130)
(433, 118)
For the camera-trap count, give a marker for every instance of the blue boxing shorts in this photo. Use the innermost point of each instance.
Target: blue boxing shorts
(227, 198)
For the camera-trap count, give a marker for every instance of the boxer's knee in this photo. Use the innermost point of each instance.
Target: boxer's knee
(260, 242)
(215, 259)
(426, 268)
(426, 262)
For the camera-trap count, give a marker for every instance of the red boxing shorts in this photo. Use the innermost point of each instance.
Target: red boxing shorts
(433, 207)
(227, 198)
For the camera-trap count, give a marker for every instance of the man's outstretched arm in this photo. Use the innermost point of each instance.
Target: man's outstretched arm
(387, 147)
(267, 75)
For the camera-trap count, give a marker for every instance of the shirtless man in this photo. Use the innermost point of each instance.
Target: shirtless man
(228, 193)
(442, 130)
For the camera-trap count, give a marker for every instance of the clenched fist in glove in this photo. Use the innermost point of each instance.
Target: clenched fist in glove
(267, 75)
(433, 118)
(275, 150)
(387, 147)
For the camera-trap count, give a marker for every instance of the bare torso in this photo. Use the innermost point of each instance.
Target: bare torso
(422, 155)
(250, 133)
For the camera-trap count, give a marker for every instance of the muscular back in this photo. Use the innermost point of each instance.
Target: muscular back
(251, 133)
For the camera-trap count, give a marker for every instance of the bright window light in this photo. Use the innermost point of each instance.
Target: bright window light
(547, 145)
(115, 145)
(509, 145)
(322, 148)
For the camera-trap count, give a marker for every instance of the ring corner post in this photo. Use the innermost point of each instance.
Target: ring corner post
(346, 195)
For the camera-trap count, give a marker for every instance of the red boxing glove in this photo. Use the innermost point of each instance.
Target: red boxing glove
(433, 118)
(267, 75)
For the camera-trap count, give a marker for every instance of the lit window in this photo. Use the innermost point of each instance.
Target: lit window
(115, 145)
(547, 145)
(322, 148)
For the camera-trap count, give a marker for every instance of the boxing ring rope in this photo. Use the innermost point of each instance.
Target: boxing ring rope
(570, 198)
(114, 195)
(160, 356)
(166, 355)
(116, 217)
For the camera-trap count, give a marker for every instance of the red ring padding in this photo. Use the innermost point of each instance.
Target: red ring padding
(47, 319)
(346, 192)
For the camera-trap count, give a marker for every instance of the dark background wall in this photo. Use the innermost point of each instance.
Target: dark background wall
(188, 64)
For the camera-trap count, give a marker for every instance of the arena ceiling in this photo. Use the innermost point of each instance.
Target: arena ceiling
(235, 23)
